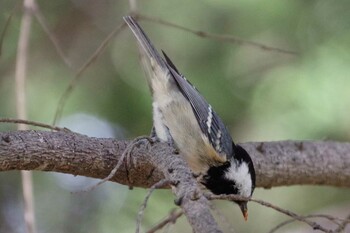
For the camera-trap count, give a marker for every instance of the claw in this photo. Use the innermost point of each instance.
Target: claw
(178, 201)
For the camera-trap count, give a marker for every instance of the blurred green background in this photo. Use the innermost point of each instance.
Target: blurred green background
(260, 94)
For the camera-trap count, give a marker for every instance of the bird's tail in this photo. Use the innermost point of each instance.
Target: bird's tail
(145, 42)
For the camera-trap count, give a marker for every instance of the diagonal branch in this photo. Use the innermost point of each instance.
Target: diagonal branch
(43, 23)
(81, 70)
(218, 37)
(172, 217)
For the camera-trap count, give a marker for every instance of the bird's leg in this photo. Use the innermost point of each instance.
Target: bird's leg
(152, 138)
(132, 160)
(153, 135)
(170, 139)
(171, 143)
(137, 142)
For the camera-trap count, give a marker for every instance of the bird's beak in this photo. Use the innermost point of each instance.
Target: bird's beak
(244, 209)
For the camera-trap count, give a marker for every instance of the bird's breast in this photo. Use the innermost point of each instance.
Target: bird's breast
(178, 117)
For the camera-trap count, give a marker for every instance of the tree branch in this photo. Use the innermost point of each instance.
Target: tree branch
(75, 154)
(218, 37)
(301, 163)
(277, 163)
(81, 155)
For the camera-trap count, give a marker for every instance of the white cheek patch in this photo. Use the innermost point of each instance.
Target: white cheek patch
(239, 173)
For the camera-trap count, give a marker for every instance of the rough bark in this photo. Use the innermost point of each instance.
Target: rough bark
(301, 163)
(81, 155)
(277, 163)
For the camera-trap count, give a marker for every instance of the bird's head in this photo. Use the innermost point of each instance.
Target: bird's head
(236, 176)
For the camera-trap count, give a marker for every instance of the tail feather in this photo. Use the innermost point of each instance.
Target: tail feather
(144, 41)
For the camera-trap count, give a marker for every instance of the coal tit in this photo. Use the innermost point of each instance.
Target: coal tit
(182, 116)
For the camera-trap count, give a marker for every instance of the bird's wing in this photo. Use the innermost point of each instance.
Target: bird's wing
(209, 121)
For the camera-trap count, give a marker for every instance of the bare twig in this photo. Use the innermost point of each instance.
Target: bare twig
(21, 61)
(329, 217)
(42, 21)
(222, 218)
(33, 123)
(80, 71)
(172, 217)
(218, 37)
(28, 197)
(314, 225)
(343, 225)
(125, 155)
(110, 176)
(20, 80)
(157, 185)
(133, 6)
(7, 23)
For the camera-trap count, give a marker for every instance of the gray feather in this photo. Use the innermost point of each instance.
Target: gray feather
(216, 131)
(144, 41)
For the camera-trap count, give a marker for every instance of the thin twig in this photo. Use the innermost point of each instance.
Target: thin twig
(328, 217)
(314, 225)
(222, 218)
(111, 174)
(7, 23)
(99, 50)
(80, 71)
(219, 37)
(21, 62)
(28, 197)
(42, 21)
(33, 123)
(157, 185)
(173, 216)
(126, 154)
(343, 225)
(21, 107)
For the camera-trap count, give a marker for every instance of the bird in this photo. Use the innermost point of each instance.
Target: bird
(182, 117)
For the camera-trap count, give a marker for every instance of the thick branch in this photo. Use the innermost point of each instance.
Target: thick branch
(276, 163)
(80, 155)
(301, 162)
(76, 154)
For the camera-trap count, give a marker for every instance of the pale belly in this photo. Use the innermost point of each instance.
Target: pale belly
(177, 115)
